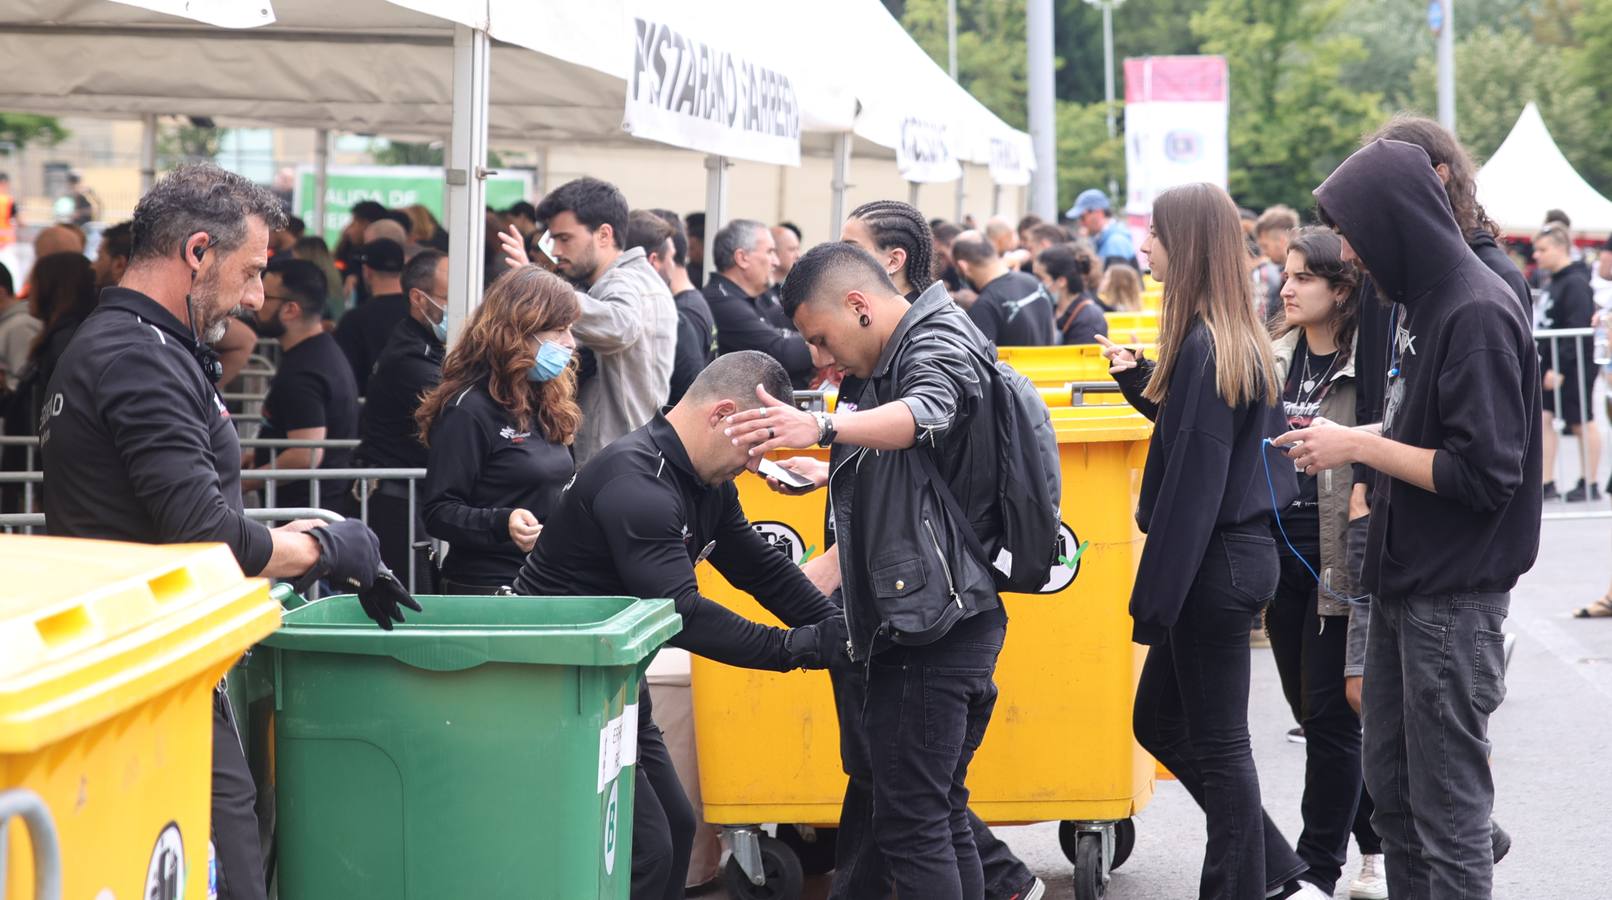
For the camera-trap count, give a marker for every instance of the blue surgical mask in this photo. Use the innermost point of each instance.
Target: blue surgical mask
(552, 359)
(440, 328)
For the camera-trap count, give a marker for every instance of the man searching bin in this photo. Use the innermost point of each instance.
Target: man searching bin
(635, 522)
(137, 444)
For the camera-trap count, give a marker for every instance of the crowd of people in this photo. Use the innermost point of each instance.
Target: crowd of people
(1353, 428)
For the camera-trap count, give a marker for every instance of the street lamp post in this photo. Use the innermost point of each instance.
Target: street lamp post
(1107, 6)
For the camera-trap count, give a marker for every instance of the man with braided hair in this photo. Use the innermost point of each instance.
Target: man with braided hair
(900, 240)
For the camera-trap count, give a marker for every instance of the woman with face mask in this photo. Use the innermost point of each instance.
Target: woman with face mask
(499, 429)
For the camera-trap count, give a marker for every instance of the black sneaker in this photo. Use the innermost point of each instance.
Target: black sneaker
(1296, 735)
(1550, 491)
(1500, 839)
(1590, 492)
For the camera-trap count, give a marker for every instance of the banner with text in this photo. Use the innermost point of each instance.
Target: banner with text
(394, 187)
(1175, 125)
(688, 93)
(926, 153)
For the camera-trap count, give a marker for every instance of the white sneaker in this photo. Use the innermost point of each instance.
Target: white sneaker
(1308, 891)
(1370, 884)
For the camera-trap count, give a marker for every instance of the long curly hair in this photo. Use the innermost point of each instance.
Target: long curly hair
(1443, 148)
(495, 350)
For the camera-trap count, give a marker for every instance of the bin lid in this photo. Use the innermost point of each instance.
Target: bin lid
(91, 628)
(456, 633)
(1098, 424)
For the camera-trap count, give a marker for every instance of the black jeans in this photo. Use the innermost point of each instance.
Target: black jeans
(1434, 674)
(235, 825)
(662, 820)
(1192, 715)
(926, 712)
(860, 869)
(1309, 651)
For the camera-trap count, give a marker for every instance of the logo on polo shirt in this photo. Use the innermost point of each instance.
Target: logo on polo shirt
(513, 436)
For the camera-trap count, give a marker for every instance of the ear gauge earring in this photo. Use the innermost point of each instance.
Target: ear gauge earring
(864, 321)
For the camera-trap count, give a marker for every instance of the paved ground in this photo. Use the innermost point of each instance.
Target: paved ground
(1556, 723)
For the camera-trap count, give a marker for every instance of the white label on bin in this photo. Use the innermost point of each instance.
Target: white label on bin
(784, 539)
(165, 875)
(610, 827)
(618, 745)
(1063, 573)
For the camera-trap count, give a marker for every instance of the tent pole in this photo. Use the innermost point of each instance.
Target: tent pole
(912, 194)
(716, 203)
(996, 199)
(962, 191)
(321, 180)
(148, 152)
(842, 172)
(465, 190)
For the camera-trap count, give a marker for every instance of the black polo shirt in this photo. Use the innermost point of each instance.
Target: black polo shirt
(409, 366)
(696, 341)
(742, 324)
(483, 467)
(313, 388)
(136, 443)
(636, 521)
(363, 333)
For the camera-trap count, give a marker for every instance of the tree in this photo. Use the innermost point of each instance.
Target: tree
(1397, 39)
(1087, 156)
(1498, 74)
(401, 153)
(1291, 119)
(992, 61)
(189, 141)
(18, 130)
(1589, 66)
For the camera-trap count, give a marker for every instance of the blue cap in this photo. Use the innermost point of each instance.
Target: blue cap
(1087, 201)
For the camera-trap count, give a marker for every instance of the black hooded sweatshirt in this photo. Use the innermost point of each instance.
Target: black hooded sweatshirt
(1569, 303)
(1467, 385)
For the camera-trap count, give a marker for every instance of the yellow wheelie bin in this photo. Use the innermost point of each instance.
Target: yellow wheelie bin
(1133, 328)
(109, 656)
(1060, 746)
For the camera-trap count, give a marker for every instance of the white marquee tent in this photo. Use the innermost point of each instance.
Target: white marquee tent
(528, 70)
(1528, 175)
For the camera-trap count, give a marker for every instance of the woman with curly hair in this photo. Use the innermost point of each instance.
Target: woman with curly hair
(499, 429)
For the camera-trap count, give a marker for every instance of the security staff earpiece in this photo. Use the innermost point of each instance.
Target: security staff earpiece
(205, 356)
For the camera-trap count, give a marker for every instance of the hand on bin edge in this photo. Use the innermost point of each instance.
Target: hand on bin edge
(350, 559)
(821, 645)
(383, 599)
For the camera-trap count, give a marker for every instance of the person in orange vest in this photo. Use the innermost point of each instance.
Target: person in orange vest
(8, 212)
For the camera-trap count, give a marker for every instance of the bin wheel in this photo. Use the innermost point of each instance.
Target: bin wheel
(1089, 884)
(816, 853)
(1124, 841)
(779, 864)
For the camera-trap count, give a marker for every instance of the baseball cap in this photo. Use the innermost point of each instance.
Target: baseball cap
(1088, 200)
(382, 255)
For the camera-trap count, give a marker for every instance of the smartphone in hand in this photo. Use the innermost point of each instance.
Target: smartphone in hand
(794, 481)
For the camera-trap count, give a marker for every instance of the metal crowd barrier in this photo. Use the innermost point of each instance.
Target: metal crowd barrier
(365, 482)
(1583, 380)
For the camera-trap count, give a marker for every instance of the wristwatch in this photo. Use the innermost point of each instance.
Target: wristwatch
(825, 429)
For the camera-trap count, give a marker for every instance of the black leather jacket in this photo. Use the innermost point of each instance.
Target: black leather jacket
(909, 575)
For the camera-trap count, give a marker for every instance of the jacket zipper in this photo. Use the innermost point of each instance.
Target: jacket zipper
(951, 586)
(845, 611)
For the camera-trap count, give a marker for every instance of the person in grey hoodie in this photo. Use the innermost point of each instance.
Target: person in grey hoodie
(1455, 517)
(629, 319)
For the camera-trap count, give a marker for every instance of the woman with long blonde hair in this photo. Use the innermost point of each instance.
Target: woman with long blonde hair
(1210, 561)
(499, 429)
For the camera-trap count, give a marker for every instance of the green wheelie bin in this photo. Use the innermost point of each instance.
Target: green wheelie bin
(484, 748)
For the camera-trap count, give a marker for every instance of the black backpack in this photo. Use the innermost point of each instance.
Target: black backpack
(1029, 483)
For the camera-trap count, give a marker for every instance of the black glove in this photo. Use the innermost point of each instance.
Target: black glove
(349, 555)
(383, 599)
(818, 646)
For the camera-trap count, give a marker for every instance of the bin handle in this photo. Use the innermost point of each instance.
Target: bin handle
(30, 807)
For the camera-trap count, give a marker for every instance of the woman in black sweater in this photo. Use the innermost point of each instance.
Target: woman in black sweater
(1209, 562)
(499, 429)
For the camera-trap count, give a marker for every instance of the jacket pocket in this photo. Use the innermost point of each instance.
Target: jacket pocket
(1252, 565)
(898, 579)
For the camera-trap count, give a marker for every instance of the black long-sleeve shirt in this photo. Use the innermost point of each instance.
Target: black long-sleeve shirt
(742, 325)
(483, 467)
(363, 333)
(696, 341)
(1204, 472)
(636, 521)
(410, 365)
(1569, 302)
(136, 444)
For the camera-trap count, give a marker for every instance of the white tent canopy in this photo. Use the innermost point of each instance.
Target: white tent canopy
(1528, 175)
(385, 66)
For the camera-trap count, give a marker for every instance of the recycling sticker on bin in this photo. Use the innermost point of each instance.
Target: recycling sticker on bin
(1070, 549)
(618, 745)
